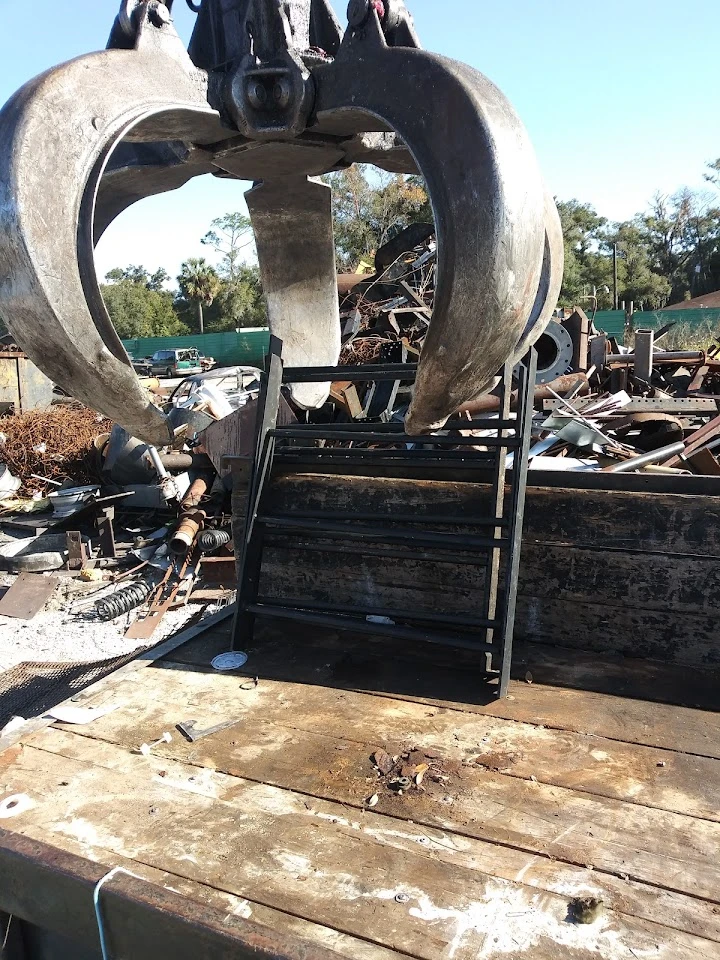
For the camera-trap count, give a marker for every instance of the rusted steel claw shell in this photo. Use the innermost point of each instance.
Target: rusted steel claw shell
(55, 136)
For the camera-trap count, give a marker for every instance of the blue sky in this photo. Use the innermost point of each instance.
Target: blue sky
(620, 98)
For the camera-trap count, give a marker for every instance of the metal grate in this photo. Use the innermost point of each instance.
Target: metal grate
(491, 541)
(31, 688)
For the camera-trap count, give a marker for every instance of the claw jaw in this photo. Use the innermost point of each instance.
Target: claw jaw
(292, 221)
(499, 245)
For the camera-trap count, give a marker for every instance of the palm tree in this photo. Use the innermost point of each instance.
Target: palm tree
(199, 282)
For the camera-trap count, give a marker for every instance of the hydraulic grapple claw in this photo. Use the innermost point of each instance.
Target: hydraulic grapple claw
(272, 91)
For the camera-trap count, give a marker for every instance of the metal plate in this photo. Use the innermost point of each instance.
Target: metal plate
(677, 406)
(27, 596)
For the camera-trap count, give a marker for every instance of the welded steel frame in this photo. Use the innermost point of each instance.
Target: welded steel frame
(496, 546)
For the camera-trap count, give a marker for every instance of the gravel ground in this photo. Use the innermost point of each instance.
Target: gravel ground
(58, 634)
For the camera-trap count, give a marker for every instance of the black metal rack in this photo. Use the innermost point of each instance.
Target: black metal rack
(494, 542)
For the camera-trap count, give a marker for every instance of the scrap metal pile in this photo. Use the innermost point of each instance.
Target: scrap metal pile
(45, 448)
(150, 532)
(599, 406)
(632, 409)
(394, 306)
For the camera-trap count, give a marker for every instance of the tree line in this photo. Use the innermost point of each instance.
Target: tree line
(664, 255)
(207, 299)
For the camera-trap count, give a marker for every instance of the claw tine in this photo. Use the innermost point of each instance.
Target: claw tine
(292, 221)
(487, 197)
(551, 277)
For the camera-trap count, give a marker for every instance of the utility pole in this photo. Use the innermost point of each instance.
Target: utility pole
(615, 275)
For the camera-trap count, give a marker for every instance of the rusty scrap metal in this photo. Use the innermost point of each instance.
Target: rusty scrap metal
(106, 533)
(55, 444)
(192, 519)
(489, 402)
(123, 600)
(77, 551)
(654, 456)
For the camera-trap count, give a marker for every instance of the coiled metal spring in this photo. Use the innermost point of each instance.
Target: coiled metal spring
(210, 540)
(123, 601)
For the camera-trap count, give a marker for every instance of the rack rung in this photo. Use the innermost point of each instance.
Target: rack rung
(288, 457)
(353, 453)
(398, 518)
(373, 549)
(370, 371)
(398, 426)
(290, 433)
(453, 619)
(277, 612)
(319, 528)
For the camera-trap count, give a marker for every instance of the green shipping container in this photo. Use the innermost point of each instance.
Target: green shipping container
(247, 347)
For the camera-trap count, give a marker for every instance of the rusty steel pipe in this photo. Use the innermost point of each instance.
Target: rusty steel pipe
(192, 520)
(189, 527)
(195, 493)
(654, 456)
(670, 356)
(490, 402)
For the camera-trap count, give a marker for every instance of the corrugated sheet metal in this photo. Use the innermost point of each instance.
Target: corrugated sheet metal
(249, 346)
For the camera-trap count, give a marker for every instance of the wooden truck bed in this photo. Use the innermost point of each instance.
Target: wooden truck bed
(599, 776)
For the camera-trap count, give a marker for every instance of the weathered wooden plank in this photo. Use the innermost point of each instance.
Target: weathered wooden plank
(668, 582)
(673, 584)
(273, 847)
(663, 523)
(452, 679)
(622, 676)
(648, 776)
(382, 663)
(602, 624)
(234, 906)
(319, 742)
(610, 568)
(634, 631)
